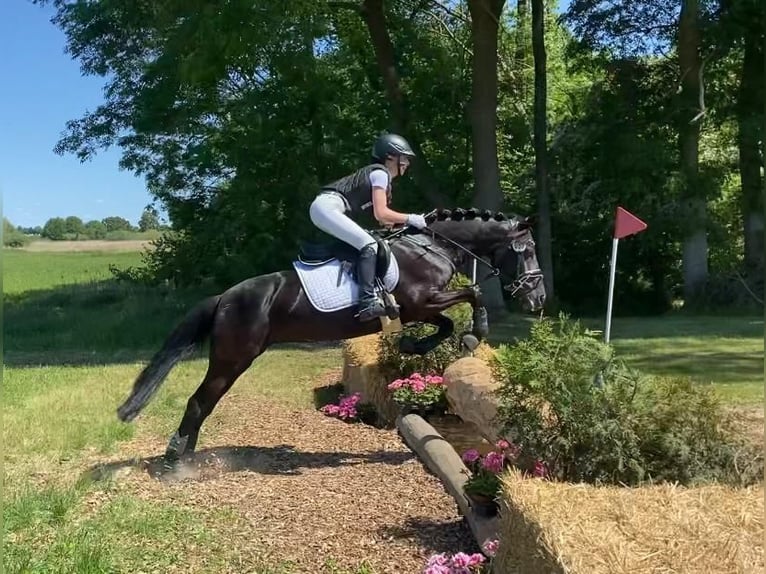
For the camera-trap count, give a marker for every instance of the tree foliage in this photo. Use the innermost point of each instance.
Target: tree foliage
(236, 112)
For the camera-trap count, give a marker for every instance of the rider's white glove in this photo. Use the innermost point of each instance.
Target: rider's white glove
(416, 220)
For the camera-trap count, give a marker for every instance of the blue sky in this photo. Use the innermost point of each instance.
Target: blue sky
(42, 88)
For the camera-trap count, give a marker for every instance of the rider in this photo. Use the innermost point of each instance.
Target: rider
(351, 196)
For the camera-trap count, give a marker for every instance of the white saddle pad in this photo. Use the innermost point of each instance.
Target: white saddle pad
(320, 282)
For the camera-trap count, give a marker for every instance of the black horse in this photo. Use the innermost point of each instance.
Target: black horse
(246, 319)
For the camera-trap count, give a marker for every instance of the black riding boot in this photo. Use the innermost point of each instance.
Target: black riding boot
(370, 306)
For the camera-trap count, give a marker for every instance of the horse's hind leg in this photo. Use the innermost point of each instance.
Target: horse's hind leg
(220, 376)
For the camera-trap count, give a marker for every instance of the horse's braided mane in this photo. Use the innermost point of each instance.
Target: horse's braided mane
(460, 214)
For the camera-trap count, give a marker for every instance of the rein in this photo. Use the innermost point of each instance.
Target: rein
(526, 278)
(494, 271)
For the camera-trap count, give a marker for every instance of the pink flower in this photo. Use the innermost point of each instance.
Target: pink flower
(330, 409)
(438, 564)
(471, 455)
(502, 444)
(438, 560)
(490, 547)
(541, 469)
(397, 384)
(476, 559)
(493, 462)
(461, 559)
(418, 386)
(434, 380)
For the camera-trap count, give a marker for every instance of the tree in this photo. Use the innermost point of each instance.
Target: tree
(545, 252)
(149, 219)
(74, 226)
(95, 229)
(114, 223)
(374, 17)
(485, 18)
(12, 235)
(693, 202)
(54, 229)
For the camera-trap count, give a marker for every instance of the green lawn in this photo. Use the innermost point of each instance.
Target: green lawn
(725, 351)
(74, 340)
(26, 272)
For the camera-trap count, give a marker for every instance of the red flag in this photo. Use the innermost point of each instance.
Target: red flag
(627, 224)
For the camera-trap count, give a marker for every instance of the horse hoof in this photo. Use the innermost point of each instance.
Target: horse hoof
(392, 313)
(480, 323)
(470, 342)
(407, 345)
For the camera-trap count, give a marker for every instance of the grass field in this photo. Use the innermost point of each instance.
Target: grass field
(73, 342)
(727, 352)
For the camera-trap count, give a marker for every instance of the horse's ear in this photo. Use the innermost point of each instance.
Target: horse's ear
(528, 221)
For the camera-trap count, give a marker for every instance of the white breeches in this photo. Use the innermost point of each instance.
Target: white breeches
(327, 212)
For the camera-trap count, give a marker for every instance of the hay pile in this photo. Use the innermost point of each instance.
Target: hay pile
(361, 374)
(557, 527)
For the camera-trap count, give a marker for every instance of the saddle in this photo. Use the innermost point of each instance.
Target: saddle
(316, 253)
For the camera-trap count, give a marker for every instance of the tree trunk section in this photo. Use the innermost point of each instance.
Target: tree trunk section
(544, 235)
(693, 206)
(485, 15)
(749, 100)
(521, 51)
(374, 18)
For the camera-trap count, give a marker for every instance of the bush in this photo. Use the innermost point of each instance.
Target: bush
(395, 365)
(628, 429)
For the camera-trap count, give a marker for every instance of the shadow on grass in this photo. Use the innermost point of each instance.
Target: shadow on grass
(103, 322)
(210, 463)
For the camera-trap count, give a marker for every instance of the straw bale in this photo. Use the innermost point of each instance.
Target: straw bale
(361, 374)
(578, 528)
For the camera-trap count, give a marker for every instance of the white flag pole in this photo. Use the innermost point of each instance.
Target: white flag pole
(611, 289)
(473, 281)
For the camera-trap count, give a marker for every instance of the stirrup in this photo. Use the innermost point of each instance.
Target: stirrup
(371, 310)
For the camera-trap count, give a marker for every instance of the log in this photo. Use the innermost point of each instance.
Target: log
(441, 459)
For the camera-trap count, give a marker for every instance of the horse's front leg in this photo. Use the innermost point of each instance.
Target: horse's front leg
(412, 346)
(441, 301)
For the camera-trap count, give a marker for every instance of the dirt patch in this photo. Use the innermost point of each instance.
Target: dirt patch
(305, 488)
(90, 245)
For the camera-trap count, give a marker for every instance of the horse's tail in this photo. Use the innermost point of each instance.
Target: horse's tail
(192, 331)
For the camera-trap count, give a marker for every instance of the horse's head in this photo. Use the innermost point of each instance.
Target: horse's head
(506, 242)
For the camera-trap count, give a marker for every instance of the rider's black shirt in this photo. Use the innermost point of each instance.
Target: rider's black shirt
(356, 188)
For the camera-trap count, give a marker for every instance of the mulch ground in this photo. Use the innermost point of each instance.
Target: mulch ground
(306, 487)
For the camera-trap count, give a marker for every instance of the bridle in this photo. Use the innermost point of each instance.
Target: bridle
(526, 279)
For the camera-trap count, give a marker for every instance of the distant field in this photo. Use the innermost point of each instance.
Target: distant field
(133, 245)
(25, 271)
